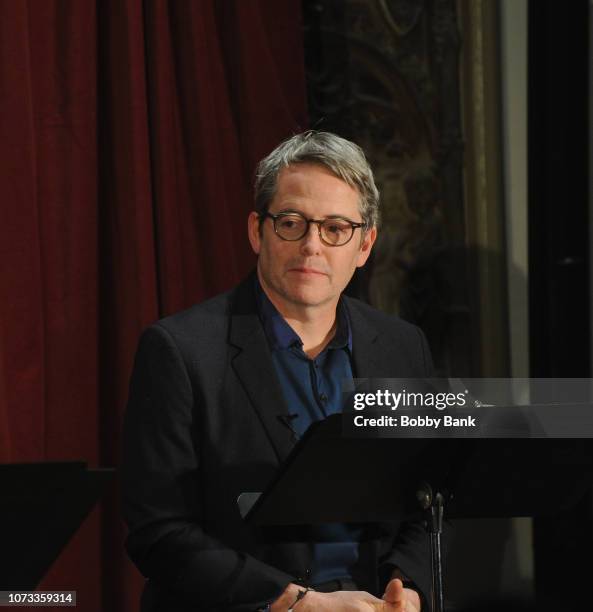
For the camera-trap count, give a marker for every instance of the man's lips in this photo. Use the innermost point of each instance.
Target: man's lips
(305, 270)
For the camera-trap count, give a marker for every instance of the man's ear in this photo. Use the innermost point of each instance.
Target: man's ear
(253, 231)
(368, 240)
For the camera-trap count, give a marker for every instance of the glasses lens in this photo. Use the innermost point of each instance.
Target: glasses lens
(291, 227)
(336, 231)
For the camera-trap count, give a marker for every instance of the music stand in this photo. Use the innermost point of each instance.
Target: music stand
(406, 479)
(43, 504)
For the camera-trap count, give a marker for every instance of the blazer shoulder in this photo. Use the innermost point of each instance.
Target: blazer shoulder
(382, 321)
(202, 327)
(196, 317)
(390, 339)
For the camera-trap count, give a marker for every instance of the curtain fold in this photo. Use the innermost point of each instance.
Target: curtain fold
(129, 131)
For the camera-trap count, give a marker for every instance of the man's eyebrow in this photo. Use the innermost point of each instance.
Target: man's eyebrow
(298, 212)
(289, 210)
(338, 218)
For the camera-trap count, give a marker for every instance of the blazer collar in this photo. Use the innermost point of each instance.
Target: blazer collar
(366, 352)
(254, 367)
(375, 352)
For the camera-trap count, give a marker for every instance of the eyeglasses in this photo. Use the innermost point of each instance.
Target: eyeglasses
(293, 226)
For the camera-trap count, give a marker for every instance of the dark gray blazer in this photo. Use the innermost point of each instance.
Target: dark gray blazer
(204, 424)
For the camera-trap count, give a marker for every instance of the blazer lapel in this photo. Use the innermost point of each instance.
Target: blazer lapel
(374, 354)
(254, 368)
(365, 342)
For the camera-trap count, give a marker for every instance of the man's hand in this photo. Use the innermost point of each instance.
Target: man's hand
(395, 599)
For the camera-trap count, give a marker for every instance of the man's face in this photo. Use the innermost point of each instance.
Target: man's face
(307, 272)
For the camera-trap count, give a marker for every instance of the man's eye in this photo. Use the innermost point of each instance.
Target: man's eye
(288, 223)
(336, 228)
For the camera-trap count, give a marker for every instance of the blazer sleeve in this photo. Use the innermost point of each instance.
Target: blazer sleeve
(161, 498)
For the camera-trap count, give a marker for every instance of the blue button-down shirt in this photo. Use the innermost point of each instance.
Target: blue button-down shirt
(312, 390)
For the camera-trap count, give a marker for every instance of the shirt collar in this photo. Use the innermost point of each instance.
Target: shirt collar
(281, 336)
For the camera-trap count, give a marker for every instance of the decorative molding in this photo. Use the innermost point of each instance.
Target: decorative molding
(483, 178)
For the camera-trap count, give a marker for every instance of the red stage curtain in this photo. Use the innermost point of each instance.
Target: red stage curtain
(129, 131)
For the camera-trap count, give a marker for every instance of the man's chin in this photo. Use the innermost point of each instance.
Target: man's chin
(308, 297)
(303, 294)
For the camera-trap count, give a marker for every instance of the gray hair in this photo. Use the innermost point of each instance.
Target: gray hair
(342, 157)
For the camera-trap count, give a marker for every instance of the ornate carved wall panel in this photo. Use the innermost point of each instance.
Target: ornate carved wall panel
(385, 73)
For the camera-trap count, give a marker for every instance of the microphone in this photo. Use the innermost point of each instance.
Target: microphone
(287, 419)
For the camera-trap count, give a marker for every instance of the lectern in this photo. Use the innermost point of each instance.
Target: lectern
(368, 480)
(41, 507)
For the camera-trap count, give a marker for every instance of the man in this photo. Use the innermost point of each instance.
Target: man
(221, 392)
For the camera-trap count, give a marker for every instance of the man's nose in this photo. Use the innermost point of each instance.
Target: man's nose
(311, 242)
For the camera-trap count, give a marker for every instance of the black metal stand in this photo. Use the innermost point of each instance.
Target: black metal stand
(43, 504)
(433, 503)
(381, 471)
